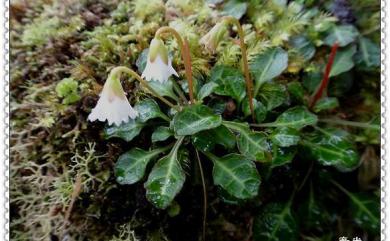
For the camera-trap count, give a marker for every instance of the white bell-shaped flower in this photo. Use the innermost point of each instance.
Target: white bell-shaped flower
(113, 104)
(213, 37)
(159, 65)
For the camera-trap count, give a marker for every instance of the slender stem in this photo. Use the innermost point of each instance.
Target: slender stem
(325, 80)
(350, 123)
(185, 54)
(122, 69)
(248, 80)
(179, 91)
(204, 196)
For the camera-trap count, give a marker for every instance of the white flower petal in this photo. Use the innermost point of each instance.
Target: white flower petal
(113, 108)
(158, 70)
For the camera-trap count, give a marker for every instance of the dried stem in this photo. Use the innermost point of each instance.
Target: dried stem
(248, 80)
(122, 69)
(185, 54)
(324, 83)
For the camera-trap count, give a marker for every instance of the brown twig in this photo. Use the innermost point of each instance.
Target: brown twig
(248, 80)
(325, 80)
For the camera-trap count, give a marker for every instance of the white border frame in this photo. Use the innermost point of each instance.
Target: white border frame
(4, 126)
(4, 123)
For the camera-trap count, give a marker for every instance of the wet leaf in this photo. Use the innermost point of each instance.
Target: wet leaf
(126, 131)
(275, 223)
(369, 54)
(268, 65)
(162, 133)
(296, 91)
(260, 109)
(230, 82)
(296, 117)
(365, 209)
(206, 90)
(313, 214)
(163, 89)
(343, 61)
(207, 140)
(326, 103)
(304, 47)
(282, 155)
(148, 109)
(195, 118)
(285, 136)
(237, 175)
(165, 180)
(343, 34)
(131, 165)
(272, 95)
(251, 144)
(332, 147)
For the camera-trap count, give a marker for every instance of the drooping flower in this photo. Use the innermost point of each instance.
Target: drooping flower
(159, 65)
(113, 104)
(213, 37)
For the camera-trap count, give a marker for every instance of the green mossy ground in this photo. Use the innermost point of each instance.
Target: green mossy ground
(61, 53)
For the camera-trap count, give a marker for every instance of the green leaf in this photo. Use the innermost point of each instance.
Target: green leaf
(282, 155)
(234, 8)
(195, 118)
(285, 136)
(369, 54)
(311, 80)
(148, 109)
(126, 131)
(206, 90)
(260, 109)
(365, 209)
(296, 91)
(163, 89)
(296, 117)
(304, 47)
(162, 133)
(268, 65)
(272, 95)
(142, 60)
(315, 215)
(206, 140)
(166, 179)
(131, 165)
(251, 144)
(343, 61)
(275, 223)
(343, 34)
(237, 175)
(332, 147)
(230, 82)
(326, 103)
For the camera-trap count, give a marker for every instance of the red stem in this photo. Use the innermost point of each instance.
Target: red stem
(325, 80)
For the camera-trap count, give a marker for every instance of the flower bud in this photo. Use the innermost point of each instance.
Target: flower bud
(213, 37)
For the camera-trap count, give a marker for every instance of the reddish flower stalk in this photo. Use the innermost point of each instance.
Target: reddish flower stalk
(325, 80)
